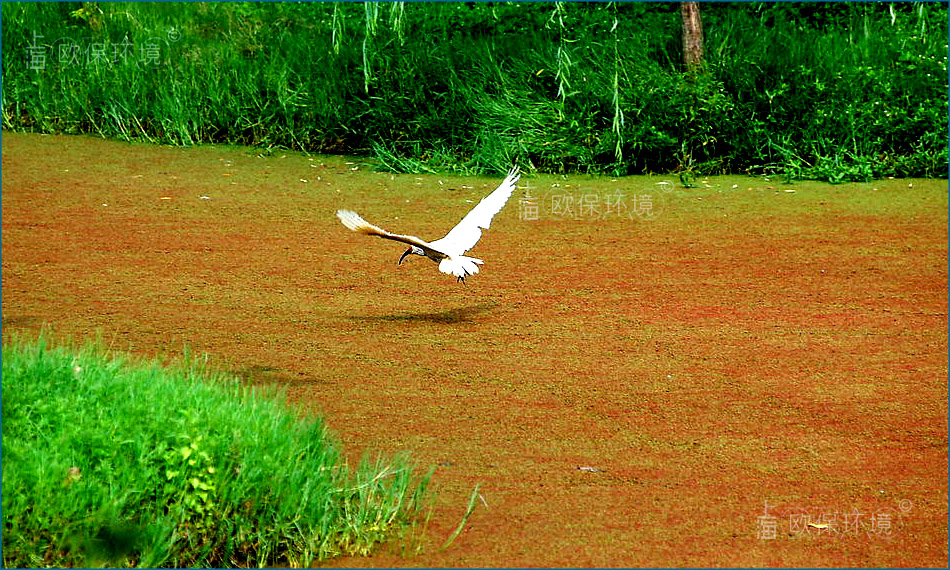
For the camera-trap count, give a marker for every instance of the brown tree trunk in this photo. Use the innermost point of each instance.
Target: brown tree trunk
(692, 35)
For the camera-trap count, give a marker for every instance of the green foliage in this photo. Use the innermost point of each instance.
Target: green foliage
(838, 92)
(189, 485)
(811, 89)
(108, 462)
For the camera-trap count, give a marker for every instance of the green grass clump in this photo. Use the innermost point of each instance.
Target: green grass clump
(112, 462)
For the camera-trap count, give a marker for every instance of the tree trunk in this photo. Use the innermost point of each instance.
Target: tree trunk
(692, 35)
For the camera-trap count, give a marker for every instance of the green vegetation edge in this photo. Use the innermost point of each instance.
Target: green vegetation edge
(834, 91)
(115, 462)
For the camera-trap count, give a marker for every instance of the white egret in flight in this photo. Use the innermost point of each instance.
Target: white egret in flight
(448, 251)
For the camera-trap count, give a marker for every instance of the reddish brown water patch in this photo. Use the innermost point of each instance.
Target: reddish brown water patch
(627, 393)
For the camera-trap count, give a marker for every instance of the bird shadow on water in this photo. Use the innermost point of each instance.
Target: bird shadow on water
(449, 316)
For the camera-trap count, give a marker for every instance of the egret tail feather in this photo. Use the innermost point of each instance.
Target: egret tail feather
(460, 266)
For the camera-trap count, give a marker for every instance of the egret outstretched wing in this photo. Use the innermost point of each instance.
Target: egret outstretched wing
(353, 221)
(466, 233)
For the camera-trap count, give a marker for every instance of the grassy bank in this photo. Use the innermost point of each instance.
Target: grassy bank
(120, 463)
(832, 91)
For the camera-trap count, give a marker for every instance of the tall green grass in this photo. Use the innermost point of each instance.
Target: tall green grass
(112, 462)
(838, 91)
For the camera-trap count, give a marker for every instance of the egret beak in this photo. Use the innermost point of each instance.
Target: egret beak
(408, 251)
